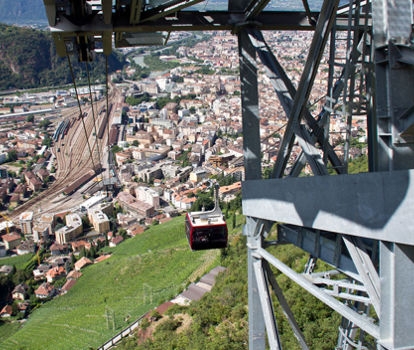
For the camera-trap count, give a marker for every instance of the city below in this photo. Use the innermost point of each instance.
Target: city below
(75, 178)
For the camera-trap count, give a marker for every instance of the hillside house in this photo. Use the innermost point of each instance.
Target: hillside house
(11, 241)
(20, 291)
(55, 273)
(45, 291)
(116, 241)
(7, 311)
(78, 245)
(59, 249)
(6, 269)
(41, 270)
(81, 263)
(228, 193)
(74, 275)
(68, 285)
(26, 247)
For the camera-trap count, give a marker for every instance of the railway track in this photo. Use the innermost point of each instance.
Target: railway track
(73, 160)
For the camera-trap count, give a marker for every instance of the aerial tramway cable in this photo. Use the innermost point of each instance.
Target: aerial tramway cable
(107, 112)
(80, 110)
(93, 117)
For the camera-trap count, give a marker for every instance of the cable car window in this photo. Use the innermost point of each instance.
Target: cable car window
(209, 233)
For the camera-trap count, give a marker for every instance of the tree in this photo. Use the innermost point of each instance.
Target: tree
(46, 180)
(155, 315)
(47, 142)
(82, 252)
(86, 223)
(6, 287)
(144, 324)
(92, 252)
(11, 155)
(203, 201)
(72, 261)
(20, 276)
(122, 232)
(267, 173)
(45, 123)
(234, 220)
(30, 118)
(135, 143)
(116, 149)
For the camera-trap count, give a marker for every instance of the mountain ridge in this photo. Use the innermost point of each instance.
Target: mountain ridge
(28, 59)
(19, 12)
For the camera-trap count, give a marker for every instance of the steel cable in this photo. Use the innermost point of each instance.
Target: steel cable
(93, 117)
(80, 110)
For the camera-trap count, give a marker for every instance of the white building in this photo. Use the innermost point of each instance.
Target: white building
(73, 229)
(93, 201)
(99, 220)
(148, 195)
(25, 220)
(3, 157)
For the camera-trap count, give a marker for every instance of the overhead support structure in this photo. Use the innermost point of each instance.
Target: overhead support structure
(251, 150)
(322, 30)
(394, 68)
(319, 203)
(361, 225)
(131, 21)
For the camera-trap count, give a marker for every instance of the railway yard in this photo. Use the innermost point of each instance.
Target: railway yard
(76, 152)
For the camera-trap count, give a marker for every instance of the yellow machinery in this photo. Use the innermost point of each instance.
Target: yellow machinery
(8, 220)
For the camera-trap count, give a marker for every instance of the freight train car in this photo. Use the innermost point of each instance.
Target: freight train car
(102, 127)
(73, 186)
(113, 135)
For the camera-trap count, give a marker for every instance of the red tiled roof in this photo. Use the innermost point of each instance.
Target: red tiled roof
(7, 310)
(74, 275)
(102, 258)
(82, 263)
(44, 289)
(56, 271)
(10, 237)
(117, 240)
(68, 285)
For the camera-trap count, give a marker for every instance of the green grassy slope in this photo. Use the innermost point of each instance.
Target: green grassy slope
(219, 320)
(142, 272)
(19, 261)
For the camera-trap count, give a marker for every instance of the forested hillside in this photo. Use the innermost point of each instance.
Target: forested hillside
(22, 12)
(28, 59)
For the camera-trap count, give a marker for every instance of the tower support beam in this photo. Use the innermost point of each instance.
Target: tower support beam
(394, 58)
(252, 165)
(320, 37)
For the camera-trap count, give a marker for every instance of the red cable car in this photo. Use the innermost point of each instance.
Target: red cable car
(206, 229)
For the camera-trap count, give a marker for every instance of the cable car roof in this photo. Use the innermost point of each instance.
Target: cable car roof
(204, 218)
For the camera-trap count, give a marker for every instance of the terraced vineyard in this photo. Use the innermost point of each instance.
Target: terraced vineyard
(142, 272)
